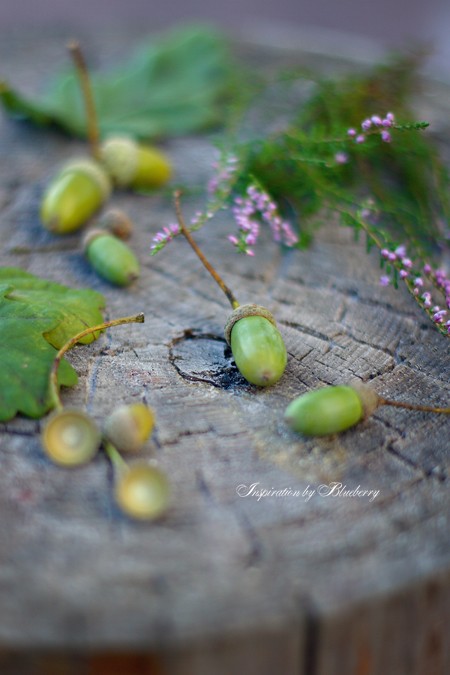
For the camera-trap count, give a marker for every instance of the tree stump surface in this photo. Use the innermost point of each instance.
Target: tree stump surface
(313, 584)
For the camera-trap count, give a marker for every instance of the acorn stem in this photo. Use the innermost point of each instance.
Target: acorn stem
(53, 378)
(93, 132)
(413, 406)
(114, 456)
(217, 278)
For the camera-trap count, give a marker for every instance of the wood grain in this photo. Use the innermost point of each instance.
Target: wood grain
(225, 583)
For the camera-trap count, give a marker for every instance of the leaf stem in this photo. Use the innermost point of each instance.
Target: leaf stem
(93, 132)
(413, 406)
(53, 378)
(217, 278)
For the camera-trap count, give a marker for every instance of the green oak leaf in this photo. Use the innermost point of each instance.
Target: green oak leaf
(36, 318)
(172, 85)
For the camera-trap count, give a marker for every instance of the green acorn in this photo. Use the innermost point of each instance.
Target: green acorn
(257, 345)
(330, 410)
(129, 426)
(143, 492)
(111, 258)
(131, 164)
(74, 195)
(70, 437)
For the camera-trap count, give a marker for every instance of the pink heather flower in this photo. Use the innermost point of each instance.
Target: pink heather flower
(366, 213)
(341, 158)
(224, 173)
(233, 239)
(392, 256)
(418, 281)
(403, 274)
(196, 218)
(374, 124)
(384, 253)
(251, 211)
(406, 262)
(384, 281)
(166, 235)
(401, 251)
(438, 317)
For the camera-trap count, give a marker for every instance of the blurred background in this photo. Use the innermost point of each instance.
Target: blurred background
(393, 23)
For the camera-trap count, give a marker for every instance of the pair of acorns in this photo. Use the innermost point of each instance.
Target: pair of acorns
(261, 357)
(72, 438)
(84, 185)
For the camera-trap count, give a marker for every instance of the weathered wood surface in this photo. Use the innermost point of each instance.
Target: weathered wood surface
(225, 584)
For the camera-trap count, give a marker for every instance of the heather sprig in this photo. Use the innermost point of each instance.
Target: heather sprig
(256, 208)
(219, 188)
(250, 204)
(337, 152)
(429, 286)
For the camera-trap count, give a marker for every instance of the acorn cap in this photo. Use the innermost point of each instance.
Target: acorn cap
(143, 492)
(241, 312)
(120, 156)
(92, 234)
(369, 398)
(117, 222)
(92, 169)
(70, 437)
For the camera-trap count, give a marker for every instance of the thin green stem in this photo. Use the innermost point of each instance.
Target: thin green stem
(414, 406)
(93, 131)
(53, 378)
(115, 457)
(217, 278)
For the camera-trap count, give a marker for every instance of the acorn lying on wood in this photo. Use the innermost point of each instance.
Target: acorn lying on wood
(256, 343)
(330, 410)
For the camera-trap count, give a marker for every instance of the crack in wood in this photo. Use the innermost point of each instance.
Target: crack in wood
(255, 555)
(203, 486)
(223, 375)
(17, 432)
(306, 330)
(436, 472)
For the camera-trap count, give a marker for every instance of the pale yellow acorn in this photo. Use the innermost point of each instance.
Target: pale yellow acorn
(143, 492)
(131, 164)
(74, 195)
(129, 426)
(70, 437)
